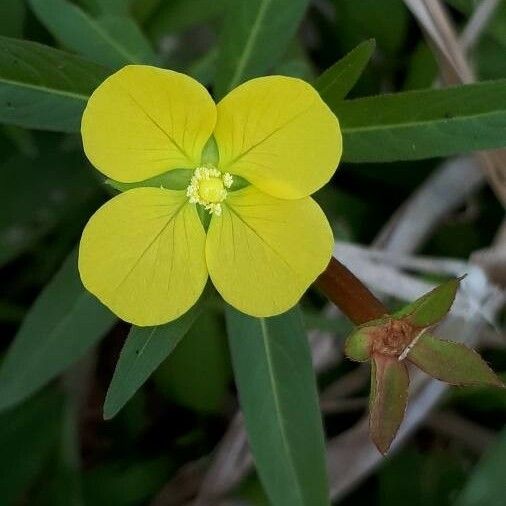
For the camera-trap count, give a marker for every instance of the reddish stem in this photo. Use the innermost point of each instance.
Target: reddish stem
(349, 294)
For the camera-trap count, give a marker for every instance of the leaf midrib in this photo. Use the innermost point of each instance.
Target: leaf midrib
(277, 403)
(53, 91)
(113, 392)
(53, 333)
(95, 25)
(248, 48)
(415, 124)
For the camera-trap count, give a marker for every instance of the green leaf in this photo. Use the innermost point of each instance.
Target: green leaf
(388, 400)
(177, 15)
(432, 307)
(144, 350)
(96, 7)
(43, 88)
(110, 40)
(28, 435)
(197, 374)
(425, 123)
(278, 396)
(254, 37)
(337, 81)
(452, 362)
(485, 487)
(12, 17)
(64, 322)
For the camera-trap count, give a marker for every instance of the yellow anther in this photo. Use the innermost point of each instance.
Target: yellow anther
(208, 187)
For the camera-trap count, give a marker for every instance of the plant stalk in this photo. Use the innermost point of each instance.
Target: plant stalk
(349, 294)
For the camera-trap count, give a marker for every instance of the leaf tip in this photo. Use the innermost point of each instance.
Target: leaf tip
(382, 445)
(108, 411)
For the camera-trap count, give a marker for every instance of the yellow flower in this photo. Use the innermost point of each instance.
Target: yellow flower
(146, 253)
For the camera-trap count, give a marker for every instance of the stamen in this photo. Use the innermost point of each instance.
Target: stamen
(208, 187)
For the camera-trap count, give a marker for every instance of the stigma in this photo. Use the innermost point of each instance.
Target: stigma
(208, 187)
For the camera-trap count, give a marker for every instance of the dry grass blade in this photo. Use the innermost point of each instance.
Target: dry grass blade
(455, 69)
(477, 23)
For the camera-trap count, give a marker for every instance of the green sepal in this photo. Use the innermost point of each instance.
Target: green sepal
(388, 399)
(432, 307)
(210, 153)
(452, 362)
(175, 179)
(358, 345)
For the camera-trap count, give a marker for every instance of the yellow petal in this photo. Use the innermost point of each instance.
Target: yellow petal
(143, 121)
(278, 134)
(142, 254)
(263, 252)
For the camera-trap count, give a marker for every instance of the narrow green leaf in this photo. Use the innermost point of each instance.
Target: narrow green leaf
(110, 40)
(388, 400)
(28, 436)
(432, 307)
(255, 35)
(337, 81)
(424, 123)
(64, 322)
(144, 350)
(96, 7)
(452, 362)
(43, 88)
(177, 16)
(278, 396)
(485, 487)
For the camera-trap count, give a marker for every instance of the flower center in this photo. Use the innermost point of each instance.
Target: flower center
(392, 338)
(208, 187)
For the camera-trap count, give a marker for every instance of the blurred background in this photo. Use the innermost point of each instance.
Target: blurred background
(180, 435)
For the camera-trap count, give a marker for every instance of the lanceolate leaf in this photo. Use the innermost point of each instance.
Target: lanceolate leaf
(144, 350)
(388, 400)
(64, 322)
(432, 307)
(336, 82)
(278, 396)
(451, 362)
(255, 35)
(44, 88)
(425, 123)
(111, 40)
